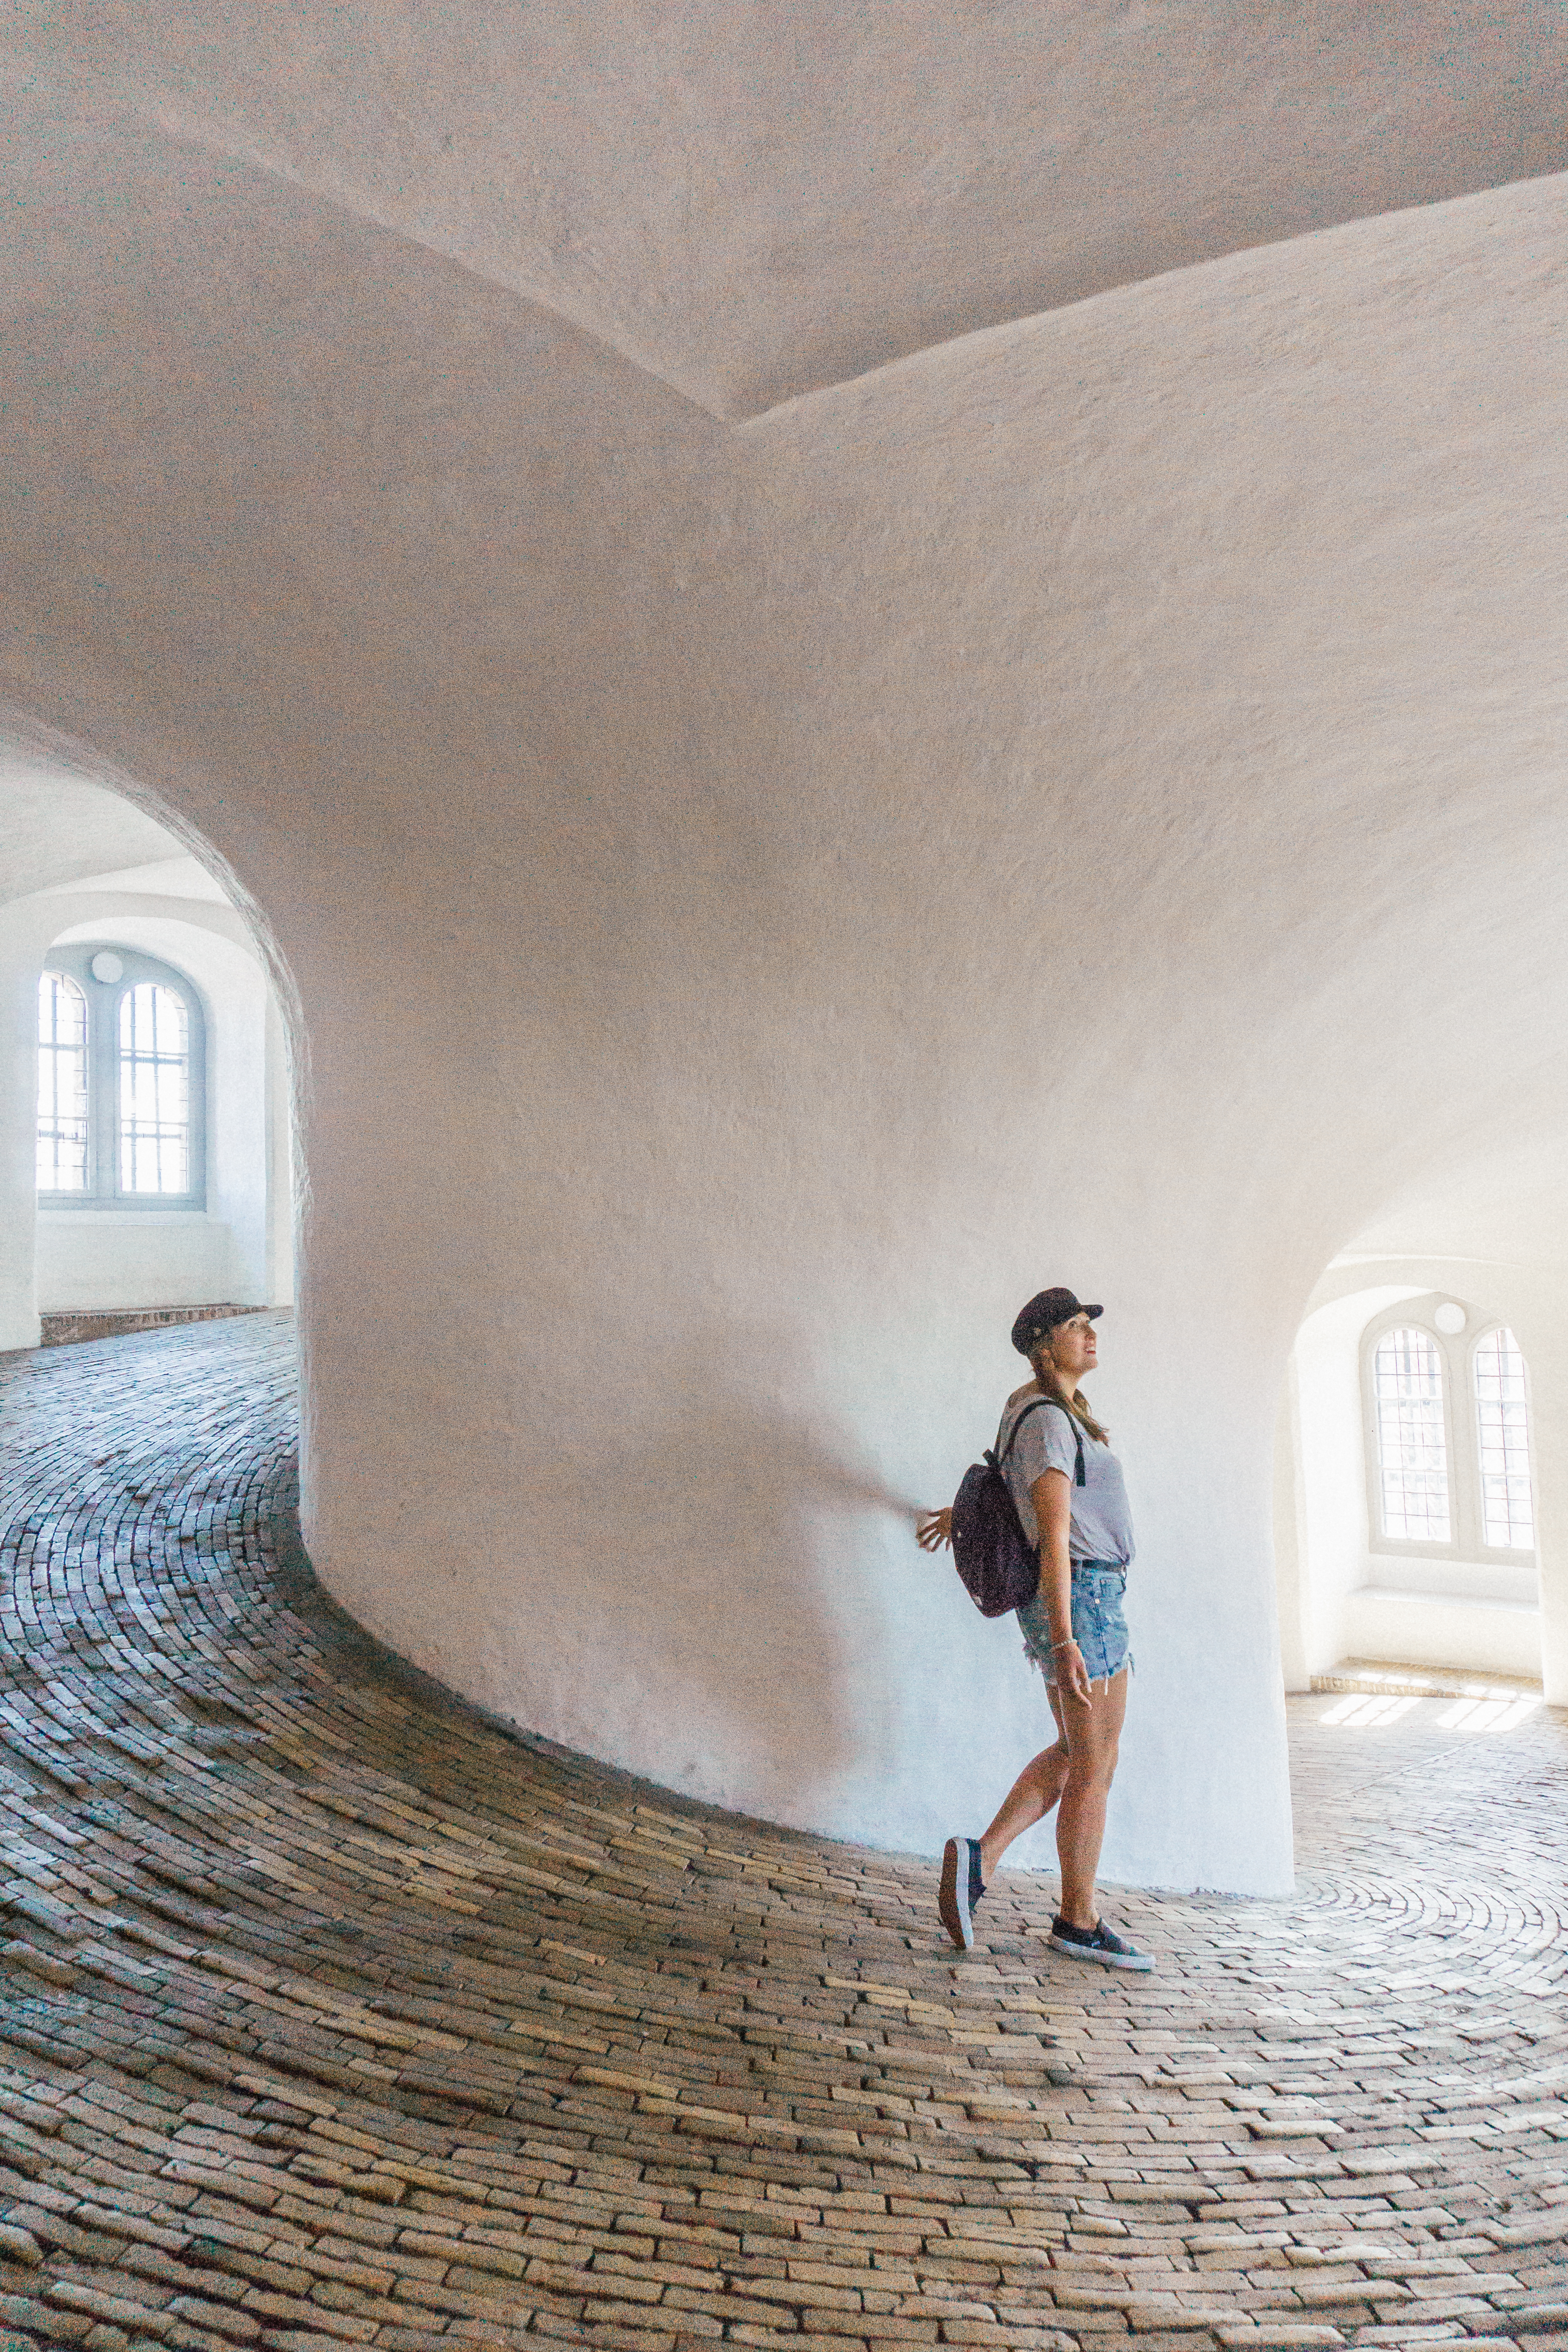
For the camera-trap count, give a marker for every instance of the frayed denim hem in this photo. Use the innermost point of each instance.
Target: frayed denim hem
(1099, 1627)
(1049, 1673)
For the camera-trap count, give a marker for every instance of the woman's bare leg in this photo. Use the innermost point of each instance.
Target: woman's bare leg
(1028, 1801)
(1091, 1730)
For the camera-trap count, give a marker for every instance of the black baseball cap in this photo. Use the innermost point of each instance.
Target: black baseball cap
(1043, 1313)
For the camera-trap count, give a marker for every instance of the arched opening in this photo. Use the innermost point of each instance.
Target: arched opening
(147, 1135)
(1407, 1530)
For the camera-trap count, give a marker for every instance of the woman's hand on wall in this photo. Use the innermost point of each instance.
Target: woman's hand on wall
(933, 1530)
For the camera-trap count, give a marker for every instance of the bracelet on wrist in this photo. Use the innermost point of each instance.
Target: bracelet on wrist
(1068, 1645)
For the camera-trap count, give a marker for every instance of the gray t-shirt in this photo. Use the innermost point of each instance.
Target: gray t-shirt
(1101, 1520)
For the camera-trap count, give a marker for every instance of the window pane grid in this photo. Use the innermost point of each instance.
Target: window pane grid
(1508, 1516)
(1412, 1445)
(62, 1085)
(154, 1091)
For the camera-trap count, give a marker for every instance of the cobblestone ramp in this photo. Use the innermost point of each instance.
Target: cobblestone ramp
(333, 2015)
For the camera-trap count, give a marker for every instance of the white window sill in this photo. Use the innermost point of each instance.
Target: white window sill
(1510, 1577)
(128, 1216)
(1448, 1598)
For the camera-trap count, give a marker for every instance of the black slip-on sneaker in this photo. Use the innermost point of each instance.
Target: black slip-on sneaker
(1101, 1943)
(961, 1889)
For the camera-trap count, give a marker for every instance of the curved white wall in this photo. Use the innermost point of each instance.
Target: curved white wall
(763, 903)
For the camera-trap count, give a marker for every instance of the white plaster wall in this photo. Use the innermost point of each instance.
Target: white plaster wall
(108, 1258)
(1540, 1325)
(20, 951)
(761, 904)
(1423, 1629)
(277, 1249)
(1291, 1555)
(1332, 1469)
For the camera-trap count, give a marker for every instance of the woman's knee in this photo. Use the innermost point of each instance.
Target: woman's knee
(1092, 1763)
(1046, 1774)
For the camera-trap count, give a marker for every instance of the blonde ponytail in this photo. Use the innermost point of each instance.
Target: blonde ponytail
(1044, 1365)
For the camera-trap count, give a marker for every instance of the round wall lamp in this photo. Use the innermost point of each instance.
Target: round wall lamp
(1449, 1317)
(107, 966)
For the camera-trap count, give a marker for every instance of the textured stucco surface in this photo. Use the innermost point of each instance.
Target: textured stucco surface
(1082, 803)
(753, 201)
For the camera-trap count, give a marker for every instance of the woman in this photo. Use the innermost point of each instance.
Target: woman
(1073, 1506)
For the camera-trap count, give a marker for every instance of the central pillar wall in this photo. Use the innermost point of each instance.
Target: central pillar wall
(762, 904)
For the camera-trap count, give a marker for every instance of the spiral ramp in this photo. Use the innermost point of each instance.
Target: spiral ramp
(333, 2013)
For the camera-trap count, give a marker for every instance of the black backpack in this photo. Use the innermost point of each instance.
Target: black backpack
(996, 1559)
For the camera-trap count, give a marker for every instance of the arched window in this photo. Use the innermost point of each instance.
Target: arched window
(1502, 1418)
(1412, 1439)
(62, 1084)
(1452, 1484)
(121, 1083)
(154, 1091)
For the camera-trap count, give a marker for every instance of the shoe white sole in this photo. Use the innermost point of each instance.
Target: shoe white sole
(952, 1894)
(1138, 1963)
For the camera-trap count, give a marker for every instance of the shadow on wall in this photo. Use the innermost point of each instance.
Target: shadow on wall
(719, 1564)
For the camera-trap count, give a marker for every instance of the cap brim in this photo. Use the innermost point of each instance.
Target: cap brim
(1091, 1311)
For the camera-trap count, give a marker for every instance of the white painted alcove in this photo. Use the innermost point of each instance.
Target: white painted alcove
(1342, 1595)
(239, 1248)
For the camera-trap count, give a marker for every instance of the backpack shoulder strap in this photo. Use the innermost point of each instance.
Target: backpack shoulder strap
(1017, 1425)
(1078, 1478)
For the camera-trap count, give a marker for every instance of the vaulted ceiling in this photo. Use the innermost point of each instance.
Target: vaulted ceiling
(755, 201)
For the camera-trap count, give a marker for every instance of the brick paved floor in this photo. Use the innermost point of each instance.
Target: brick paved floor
(332, 2015)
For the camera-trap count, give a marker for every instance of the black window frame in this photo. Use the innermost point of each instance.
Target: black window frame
(104, 1190)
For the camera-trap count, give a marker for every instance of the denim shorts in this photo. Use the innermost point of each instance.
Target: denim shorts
(1099, 1627)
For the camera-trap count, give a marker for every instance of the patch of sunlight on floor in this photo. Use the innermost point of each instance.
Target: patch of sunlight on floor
(1363, 1708)
(1367, 1711)
(1486, 1714)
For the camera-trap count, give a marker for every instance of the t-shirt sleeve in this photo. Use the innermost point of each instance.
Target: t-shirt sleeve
(1045, 1442)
